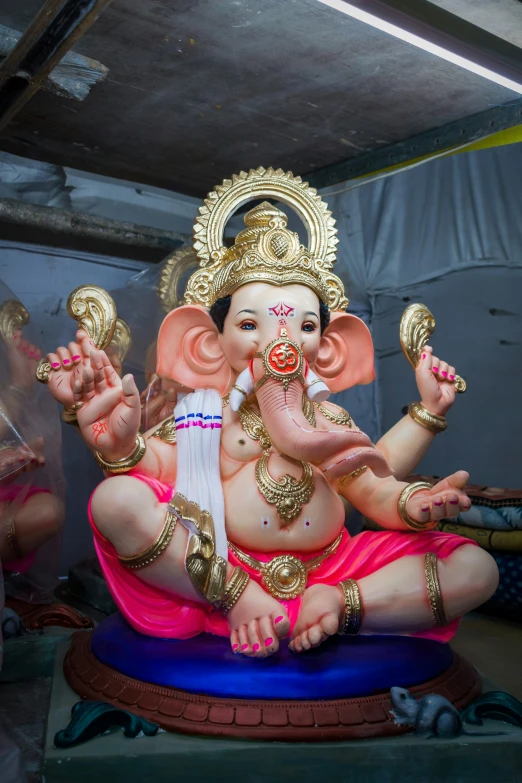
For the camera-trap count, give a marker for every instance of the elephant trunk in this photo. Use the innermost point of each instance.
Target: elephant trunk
(336, 452)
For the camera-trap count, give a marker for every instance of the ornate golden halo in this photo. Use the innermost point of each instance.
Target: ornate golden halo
(265, 251)
(174, 266)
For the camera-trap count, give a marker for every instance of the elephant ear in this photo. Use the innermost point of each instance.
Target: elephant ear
(189, 350)
(346, 353)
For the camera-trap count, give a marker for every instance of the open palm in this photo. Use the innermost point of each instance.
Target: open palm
(108, 408)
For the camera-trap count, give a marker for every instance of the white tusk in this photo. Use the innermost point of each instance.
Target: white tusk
(317, 390)
(243, 387)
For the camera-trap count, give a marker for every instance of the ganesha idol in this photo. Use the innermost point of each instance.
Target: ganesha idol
(228, 518)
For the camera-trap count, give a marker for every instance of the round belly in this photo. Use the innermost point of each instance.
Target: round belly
(255, 524)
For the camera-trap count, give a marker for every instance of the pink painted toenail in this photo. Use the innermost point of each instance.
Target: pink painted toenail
(444, 374)
(425, 508)
(435, 369)
(268, 641)
(55, 364)
(278, 619)
(454, 502)
(438, 502)
(255, 647)
(235, 646)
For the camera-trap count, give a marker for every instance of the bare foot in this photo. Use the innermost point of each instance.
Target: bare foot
(257, 622)
(322, 609)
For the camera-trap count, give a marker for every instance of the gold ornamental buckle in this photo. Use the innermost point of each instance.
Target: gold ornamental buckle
(285, 576)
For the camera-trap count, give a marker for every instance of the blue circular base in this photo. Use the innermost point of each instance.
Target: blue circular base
(343, 667)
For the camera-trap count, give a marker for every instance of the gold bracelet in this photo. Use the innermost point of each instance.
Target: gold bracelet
(434, 593)
(424, 417)
(69, 417)
(405, 495)
(234, 590)
(126, 464)
(156, 549)
(352, 608)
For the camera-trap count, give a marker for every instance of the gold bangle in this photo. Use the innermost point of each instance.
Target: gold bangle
(234, 590)
(239, 389)
(344, 480)
(156, 549)
(434, 593)
(69, 417)
(126, 464)
(352, 608)
(424, 417)
(405, 495)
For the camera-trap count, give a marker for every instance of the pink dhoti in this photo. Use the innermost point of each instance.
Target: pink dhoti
(154, 612)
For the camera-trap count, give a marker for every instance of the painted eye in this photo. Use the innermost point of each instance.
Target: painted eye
(248, 326)
(308, 326)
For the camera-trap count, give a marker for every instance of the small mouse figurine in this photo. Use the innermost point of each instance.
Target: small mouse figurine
(431, 716)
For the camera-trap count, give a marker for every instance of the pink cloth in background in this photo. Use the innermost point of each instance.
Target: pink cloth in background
(11, 492)
(154, 612)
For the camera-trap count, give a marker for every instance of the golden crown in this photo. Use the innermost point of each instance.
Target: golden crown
(266, 250)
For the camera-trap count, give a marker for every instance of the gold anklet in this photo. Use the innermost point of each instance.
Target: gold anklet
(156, 549)
(234, 590)
(352, 608)
(434, 593)
(127, 463)
(424, 417)
(405, 495)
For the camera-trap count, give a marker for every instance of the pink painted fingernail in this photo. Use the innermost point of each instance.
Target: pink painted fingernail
(76, 357)
(454, 502)
(66, 361)
(24, 348)
(278, 619)
(55, 364)
(30, 353)
(435, 369)
(423, 355)
(452, 377)
(444, 374)
(425, 508)
(244, 647)
(438, 503)
(268, 641)
(235, 646)
(255, 647)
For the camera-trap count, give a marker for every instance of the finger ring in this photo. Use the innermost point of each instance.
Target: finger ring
(76, 406)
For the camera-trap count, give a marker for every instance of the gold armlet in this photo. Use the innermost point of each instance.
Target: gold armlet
(156, 549)
(233, 591)
(405, 495)
(426, 419)
(352, 608)
(126, 464)
(434, 593)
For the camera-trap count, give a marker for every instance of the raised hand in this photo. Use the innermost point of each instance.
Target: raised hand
(445, 499)
(108, 408)
(23, 358)
(435, 382)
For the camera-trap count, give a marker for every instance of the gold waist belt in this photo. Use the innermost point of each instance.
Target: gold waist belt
(285, 576)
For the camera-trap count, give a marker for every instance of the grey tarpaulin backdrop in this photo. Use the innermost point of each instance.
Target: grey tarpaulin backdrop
(447, 233)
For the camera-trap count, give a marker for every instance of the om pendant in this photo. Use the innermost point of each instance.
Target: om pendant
(283, 361)
(287, 494)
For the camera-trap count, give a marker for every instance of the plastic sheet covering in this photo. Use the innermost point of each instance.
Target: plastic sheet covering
(140, 304)
(32, 486)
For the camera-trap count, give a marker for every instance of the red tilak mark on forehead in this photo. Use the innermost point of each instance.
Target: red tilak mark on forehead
(282, 309)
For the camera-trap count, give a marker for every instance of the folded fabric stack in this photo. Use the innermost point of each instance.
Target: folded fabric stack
(495, 523)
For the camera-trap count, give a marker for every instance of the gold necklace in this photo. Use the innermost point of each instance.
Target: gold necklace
(287, 494)
(285, 576)
(252, 424)
(341, 417)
